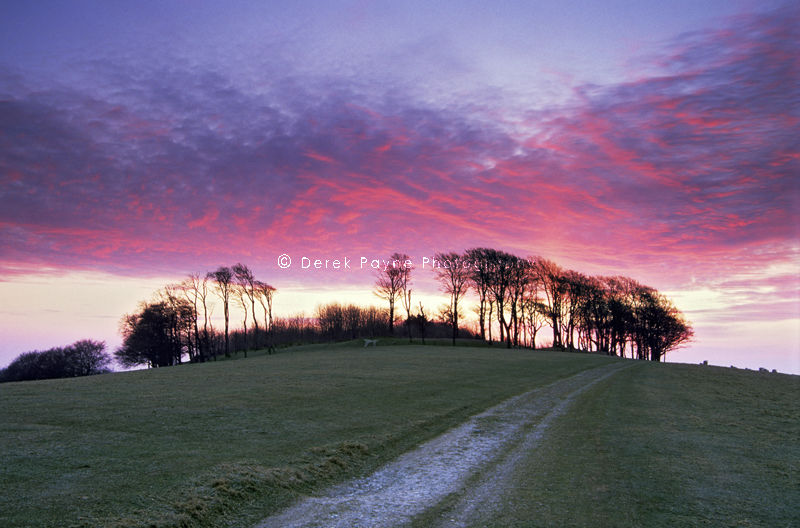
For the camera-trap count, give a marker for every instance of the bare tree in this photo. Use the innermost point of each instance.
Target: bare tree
(533, 310)
(453, 273)
(223, 278)
(518, 278)
(182, 313)
(576, 288)
(195, 290)
(489, 313)
(241, 295)
(501, 276)
(422, 322)
(479, 278)
(389, 285)
(247, 286)
(620, 313)
(201, 285)
(265, 292)
(660, 326)
(593, 316)
(405, 287)
(550, 276)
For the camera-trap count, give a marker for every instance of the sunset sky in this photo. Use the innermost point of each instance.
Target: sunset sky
(142, 141)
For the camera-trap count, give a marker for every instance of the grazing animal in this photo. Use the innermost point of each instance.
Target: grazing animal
(368, 342)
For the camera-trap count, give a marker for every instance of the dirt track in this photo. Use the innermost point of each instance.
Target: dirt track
(474, 460)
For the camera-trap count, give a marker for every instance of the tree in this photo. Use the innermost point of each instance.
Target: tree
(86, 357)
(82, 358)
(155, 336)
(661, 326)
(452, 271)
(500, 266)
(195, 288)
(405, 286)
(223, 278)
(594, 316)
(330, 319)
(518, 278)
(247, 285)
(533, 309)
(389, 284)
(550, 276)
(620, 292)
(190, 288)
(422, 322)
(241, 295)
(576, 289)
(183, 315)
(265, 294)
(479, 277)
(336, 321)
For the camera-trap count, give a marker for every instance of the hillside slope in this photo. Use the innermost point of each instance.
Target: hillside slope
(228, 443)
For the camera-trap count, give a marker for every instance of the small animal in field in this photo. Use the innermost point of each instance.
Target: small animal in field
(368, 342)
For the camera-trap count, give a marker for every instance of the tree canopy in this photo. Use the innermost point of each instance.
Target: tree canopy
(82, 358)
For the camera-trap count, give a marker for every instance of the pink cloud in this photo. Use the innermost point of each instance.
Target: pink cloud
(691, 171)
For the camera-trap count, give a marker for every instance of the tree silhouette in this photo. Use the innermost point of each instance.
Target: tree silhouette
(195, 288)
(550, 276)
(422, 322)
(82, 358)
(389, 284)
(611, 315)
(452, 271)
(264, 292)
(479, 277)
(660, 326)
(405, 286)
(500, 266)
(247, 289)
(190, 288)
(154, 335)
(223, 279)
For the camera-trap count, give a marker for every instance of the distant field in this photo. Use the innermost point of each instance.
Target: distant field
(224, 444)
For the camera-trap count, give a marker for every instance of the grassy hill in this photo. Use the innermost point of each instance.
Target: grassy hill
(224, 444)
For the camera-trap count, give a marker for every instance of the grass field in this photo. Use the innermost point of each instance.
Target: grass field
(224, 444)
(669, 445)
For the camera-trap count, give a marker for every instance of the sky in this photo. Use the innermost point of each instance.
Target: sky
(143, 141)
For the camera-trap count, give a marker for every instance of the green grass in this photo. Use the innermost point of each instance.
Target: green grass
(668, 445)
(227, 442)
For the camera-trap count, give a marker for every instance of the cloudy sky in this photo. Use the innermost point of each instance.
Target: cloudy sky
(142, 141)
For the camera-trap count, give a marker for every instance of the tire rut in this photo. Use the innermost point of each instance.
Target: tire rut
(485, 448)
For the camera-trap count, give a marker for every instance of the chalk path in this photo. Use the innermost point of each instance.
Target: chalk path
(487, 446)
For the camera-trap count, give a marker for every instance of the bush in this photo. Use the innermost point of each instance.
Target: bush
(82, 358)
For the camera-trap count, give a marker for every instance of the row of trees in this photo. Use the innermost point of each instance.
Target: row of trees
(81, 358)
(337, 322)
(178, 322)
(517, 296)
(612, 315)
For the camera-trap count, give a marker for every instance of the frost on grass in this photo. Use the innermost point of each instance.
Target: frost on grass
(225, 487)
